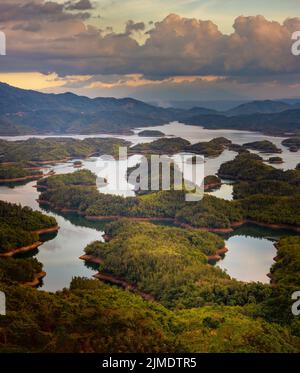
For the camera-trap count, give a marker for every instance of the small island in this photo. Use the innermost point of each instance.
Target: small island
(263, 146)
(174, 145)
(292, 143)
(77, 164)
(18, 173)
(275, 160)
(293, 149)
(151, 133)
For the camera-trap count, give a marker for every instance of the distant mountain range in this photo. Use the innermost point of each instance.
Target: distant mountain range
(30, 112)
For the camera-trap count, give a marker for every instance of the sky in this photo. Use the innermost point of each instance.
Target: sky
(153, 50)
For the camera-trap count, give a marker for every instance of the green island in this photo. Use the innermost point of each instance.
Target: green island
(151, 133)
(53, 150)
(27, 271)
(11, 173)
(293, 142)
(175, 145)
(211, 213)
(275, 160)
(170, 264)
(263, 146)
(195, 307)
(21, 228)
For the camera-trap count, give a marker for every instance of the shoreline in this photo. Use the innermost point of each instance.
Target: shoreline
(114, 280)
(24, 178)
(36, 279)
(33, 246)
(218, 254)
(47, 230)
(91, 259)
(176, 222)
(22, 249)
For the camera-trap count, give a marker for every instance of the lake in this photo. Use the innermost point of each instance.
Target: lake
(251, 249)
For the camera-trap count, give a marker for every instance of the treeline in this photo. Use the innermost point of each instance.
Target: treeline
(17, 225)
(54, 149)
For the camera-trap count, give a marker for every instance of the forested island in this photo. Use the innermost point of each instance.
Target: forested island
(174, 300)
(211, 213)
(12, 173)
(151, 133)
(53, 150)
(21, 227)
(230, 316)
(175, 145)
(263, 146)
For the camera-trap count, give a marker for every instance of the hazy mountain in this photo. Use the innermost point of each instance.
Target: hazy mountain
(31, 112)
(276, 123)
(263, 107)
(24, 111)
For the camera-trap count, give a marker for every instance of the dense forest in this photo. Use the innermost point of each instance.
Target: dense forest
(18, 226)
(94, 317)
(18, 171)
(210, 212)
(36, 150)
(195, 307)
(175, 145)
(171, 264)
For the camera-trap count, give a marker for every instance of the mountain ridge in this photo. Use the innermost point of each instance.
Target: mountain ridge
(25, 112)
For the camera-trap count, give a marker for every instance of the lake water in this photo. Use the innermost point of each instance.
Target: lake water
(251, 251)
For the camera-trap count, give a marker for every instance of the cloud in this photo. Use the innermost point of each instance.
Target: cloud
(132, 26)
(47, 37)
(79, 5)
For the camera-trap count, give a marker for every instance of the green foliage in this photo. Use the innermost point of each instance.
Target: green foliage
(272, 209)
(161, 146)
(51, 149)
(151, 133)
(171, 264)
(94, 317)
(263, 146)
(19, 270)
(81, 177)
(175, 145)
(210, 212)
(16, 171)
(246, 166)
(212, 148)
(286, 281)
(17, 224)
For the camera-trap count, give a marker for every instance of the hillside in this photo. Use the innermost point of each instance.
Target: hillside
(30, 112)
(24, 112)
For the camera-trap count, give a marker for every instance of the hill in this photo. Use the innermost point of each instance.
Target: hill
(30, 112)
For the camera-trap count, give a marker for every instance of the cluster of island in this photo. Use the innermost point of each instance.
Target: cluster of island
(157, 246)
